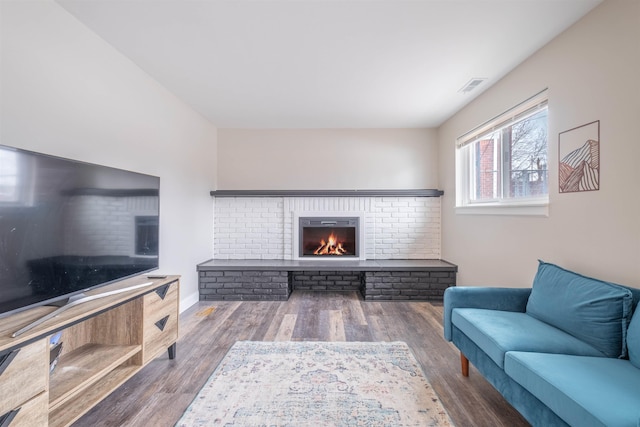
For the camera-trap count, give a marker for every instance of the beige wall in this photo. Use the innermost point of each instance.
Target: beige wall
(322, 159)
(68, 93)
(591, 71)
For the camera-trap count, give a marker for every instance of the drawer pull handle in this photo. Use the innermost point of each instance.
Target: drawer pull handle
(6, 359)
(162, 291)
(162, 323)
(6, 419)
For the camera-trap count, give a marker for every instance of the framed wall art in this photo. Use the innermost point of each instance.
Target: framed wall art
(579, 154)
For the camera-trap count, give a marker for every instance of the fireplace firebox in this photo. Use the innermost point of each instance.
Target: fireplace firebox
(329, 237)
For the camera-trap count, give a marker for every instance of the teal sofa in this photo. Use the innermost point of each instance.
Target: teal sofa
(564, 352)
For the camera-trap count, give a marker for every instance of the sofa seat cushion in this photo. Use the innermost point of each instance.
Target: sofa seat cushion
(595, 311)
(583, 391)
(497, 332)
(633, 338)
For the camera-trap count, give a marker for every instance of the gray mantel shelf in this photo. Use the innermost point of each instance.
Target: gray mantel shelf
(328, 264)
(327, 193)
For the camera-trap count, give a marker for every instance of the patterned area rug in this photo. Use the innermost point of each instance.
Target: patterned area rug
(316, 384)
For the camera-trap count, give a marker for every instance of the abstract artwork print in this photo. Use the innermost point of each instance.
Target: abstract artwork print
(579, 154)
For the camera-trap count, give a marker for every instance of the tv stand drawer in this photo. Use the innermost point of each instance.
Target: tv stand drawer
(160, 320)
(33, 413)
(24, 373)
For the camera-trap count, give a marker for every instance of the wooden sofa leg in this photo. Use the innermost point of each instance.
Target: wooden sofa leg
(464, 363)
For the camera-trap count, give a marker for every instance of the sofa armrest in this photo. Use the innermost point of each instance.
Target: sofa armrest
(504, 299)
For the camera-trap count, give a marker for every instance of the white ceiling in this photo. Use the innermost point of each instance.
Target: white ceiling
(327, 64)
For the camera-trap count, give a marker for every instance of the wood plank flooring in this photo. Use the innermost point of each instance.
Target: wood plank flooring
(158, 395)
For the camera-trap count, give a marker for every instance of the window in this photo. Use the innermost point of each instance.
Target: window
(501, 166)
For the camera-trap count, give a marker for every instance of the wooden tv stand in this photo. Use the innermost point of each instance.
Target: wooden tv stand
(105, 342)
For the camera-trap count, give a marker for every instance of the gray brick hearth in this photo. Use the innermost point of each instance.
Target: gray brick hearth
(408, 285)
(248, 285)
(274, 280)
(327, 280)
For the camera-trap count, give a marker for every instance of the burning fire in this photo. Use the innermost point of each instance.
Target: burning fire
(330, 247)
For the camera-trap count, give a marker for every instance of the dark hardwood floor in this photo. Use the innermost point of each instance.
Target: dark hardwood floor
(158, 395)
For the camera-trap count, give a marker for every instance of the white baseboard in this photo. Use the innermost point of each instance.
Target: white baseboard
(188, 301)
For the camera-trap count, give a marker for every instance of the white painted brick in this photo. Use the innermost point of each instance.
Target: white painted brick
(389, 220)
(390, 210)
(227, 220)
(263, 227)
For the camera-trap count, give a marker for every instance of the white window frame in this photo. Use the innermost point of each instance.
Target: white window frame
(536, 206)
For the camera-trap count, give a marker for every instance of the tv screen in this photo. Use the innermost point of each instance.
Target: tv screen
(67, 226)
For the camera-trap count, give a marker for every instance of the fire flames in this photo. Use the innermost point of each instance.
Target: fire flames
(330, 247)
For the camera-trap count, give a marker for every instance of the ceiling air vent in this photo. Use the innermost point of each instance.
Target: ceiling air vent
(471, 85)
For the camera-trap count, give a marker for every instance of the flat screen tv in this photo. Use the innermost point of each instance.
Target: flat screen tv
(68, 226)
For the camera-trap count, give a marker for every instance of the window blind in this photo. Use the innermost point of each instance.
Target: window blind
(526, 108)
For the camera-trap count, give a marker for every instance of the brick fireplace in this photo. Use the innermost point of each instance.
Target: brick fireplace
(385, 244)
(391, 227)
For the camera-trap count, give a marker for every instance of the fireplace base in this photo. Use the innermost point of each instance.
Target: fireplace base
(274, 280)
(328, 281)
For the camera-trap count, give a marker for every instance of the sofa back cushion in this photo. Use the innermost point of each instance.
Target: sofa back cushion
(633, 340)
(592, 310)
